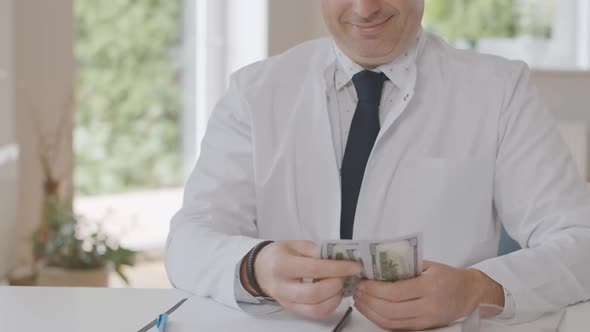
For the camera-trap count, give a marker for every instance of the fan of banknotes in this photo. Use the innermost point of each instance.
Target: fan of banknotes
(388, 260)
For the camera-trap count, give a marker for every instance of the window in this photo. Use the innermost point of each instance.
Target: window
(219, 39)
(150, 72)
(547, 34)
(128, 95)
(127, 136)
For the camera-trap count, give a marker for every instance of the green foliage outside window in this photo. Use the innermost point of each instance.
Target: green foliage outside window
(127, 132)
(475, 19)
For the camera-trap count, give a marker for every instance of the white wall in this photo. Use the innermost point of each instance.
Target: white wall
(288, 24)
(43, 86)
(6, 73)
(318, 28)
(566, 92)
(292, 22)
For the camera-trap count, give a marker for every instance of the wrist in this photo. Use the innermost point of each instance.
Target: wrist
(250, 269)
(244, 277)
(486, 289)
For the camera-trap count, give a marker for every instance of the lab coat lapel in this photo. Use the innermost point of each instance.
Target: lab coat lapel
(317, 179)
(367, 219)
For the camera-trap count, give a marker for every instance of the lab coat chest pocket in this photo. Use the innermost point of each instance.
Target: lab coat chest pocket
(446, 199)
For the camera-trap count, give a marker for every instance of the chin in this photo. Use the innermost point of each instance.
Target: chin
(376, 51)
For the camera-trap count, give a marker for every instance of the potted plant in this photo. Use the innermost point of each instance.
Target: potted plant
(68, 250)
(73, 252)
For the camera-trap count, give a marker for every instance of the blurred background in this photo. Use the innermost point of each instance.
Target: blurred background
(103, 105)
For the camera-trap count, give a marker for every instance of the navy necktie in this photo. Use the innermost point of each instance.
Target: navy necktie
(361, 138)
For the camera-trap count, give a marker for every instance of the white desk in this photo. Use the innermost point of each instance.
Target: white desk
(24, 309)
(89, 310)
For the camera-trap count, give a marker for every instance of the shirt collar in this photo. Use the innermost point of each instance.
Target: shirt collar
(397, 71)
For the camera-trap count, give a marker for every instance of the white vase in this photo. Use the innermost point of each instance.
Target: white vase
(8, 207)
(60, 277)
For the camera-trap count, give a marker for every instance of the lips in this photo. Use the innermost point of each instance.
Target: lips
(370, 27)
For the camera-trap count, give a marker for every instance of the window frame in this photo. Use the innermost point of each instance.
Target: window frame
(218, 39)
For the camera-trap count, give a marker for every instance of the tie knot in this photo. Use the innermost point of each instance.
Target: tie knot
(368, 85)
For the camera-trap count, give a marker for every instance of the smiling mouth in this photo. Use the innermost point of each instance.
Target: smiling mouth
(370, 27)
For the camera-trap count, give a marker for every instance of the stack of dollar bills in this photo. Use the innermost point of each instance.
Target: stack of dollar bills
(388, 260)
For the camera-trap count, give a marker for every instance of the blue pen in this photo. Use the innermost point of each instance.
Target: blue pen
(162, 321)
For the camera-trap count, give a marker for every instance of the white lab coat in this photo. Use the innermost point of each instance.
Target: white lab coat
(474, 148)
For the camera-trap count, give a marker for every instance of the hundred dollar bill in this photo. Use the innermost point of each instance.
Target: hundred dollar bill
(387, 260)
(399, 259)
(349, 251)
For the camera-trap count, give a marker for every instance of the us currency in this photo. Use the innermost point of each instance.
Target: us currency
(394, 260)
(349, 251)
(387, 260)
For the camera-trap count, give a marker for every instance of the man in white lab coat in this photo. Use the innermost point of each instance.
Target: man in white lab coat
(445, 142)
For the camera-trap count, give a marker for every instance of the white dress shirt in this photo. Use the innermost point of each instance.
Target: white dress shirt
(465, 145)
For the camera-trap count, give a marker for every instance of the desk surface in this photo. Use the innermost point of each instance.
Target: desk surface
(82, 309)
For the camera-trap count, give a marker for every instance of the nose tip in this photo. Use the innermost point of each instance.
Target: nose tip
(366, 8)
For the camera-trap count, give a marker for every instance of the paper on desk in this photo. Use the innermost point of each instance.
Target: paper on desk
(199, 314)
(548, 323)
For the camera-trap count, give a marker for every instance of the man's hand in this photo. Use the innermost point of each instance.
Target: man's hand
(439, 296)
(281, 267)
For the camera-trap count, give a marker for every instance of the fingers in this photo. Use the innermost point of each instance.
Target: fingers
(315, 311)
(304, 267)
(304, 248)
(399, 291)
(411, 324)
(392, 310)
(311, 293)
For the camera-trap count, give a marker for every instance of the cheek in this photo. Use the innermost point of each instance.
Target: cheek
(332, 10)
(336, 28)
